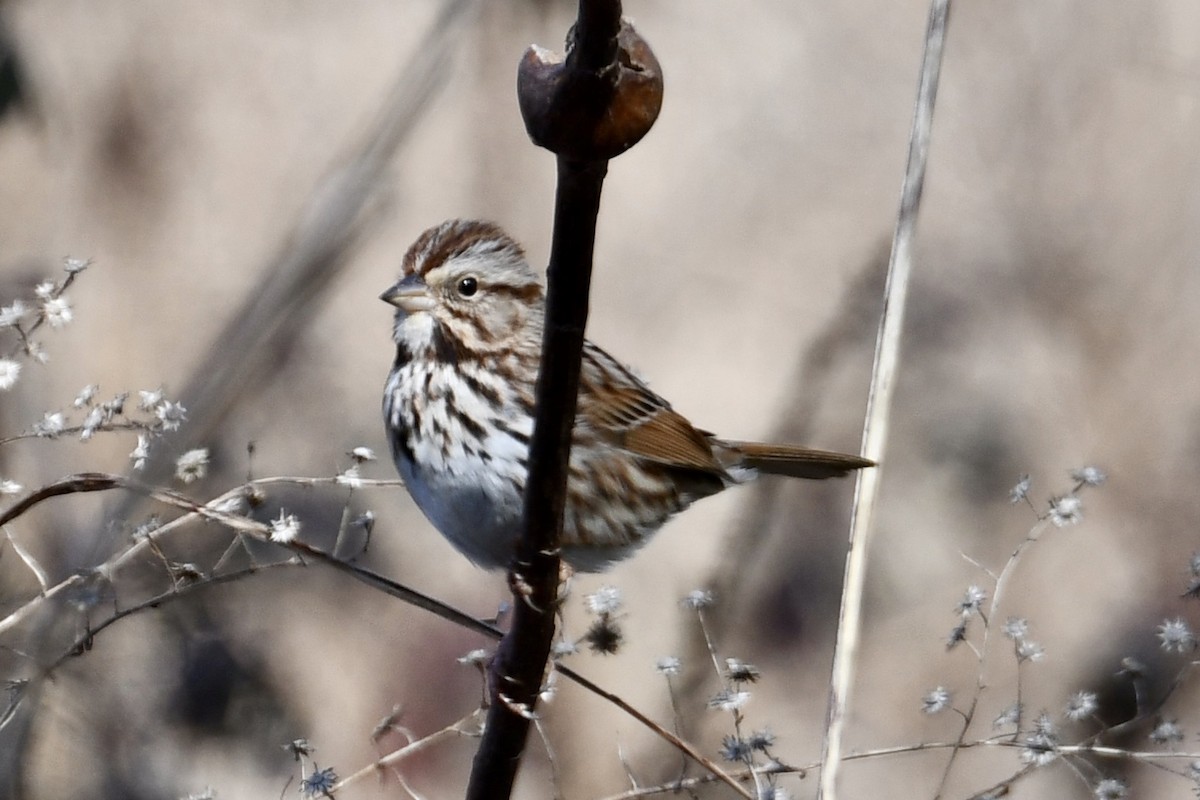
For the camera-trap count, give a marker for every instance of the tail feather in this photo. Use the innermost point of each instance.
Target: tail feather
(793, 461)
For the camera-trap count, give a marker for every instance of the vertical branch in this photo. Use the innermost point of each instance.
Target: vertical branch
(887, 351)
(587, 108)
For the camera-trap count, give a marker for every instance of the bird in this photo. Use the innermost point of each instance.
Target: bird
(458, 410)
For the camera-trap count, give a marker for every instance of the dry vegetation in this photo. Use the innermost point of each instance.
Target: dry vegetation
(185, 149)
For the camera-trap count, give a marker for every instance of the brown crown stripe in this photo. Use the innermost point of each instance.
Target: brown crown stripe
(453, 239)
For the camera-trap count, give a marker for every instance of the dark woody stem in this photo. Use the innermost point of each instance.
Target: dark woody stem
(587, 108)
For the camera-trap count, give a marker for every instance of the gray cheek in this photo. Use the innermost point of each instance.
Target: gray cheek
(501, 318)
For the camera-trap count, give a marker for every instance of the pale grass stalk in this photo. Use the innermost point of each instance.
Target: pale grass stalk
(1158, 759)
(459, 728)
(42, 578)
(677, 787)
(879, 401)
(210, 511)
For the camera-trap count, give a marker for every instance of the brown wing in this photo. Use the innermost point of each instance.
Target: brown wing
(618, 407)
(615, 404)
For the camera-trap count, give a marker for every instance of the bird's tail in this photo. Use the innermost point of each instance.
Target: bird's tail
(793, 461)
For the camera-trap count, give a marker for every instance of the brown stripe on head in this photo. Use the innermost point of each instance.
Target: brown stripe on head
(457, 238)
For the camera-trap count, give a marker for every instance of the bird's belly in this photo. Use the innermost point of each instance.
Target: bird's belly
(479, 517)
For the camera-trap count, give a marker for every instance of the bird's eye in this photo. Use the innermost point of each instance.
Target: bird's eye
(468, 286)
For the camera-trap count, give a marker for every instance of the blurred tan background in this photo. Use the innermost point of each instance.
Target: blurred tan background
(1053, 324)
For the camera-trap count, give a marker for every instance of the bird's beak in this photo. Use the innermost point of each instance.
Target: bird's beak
(409, 295)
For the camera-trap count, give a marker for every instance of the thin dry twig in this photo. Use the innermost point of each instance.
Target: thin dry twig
(42, 578)
(213, 510)
(981, 654)
(457, 728)
(879, 401)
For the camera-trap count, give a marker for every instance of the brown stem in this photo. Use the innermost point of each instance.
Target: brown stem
(520, 662)
(587, 108)
(74, 484)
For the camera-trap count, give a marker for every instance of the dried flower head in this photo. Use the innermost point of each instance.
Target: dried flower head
(698, 599)
(1040, 747)
(1175, 636)
(1066, 510)
(299, 748)
(1110, 789)
(1081, 705)
(1029, 650)
(1021, 490)
(141, 452)
(91, 423)
(9, 372)
(734, 748)
(729, 700)
(958, 635)
(362, 454)
(86, 395)
(57, 311)
(477, 657)
(171, 415)
(74, 266)
(149, 400)
(562, 649)
(972, 601)
(192, 465)
(350, 477)
(1166, 731)
(1016, 628)
(1089, 476)
(936, 700)
(50, 425)
(13, 313)
(1009, 716)
(115, 406)
(319, 782)
(668, 665)
(738, 671)
(761, 740)
(285, 529)
(1193, 590)
(605, 600)
(604, 636)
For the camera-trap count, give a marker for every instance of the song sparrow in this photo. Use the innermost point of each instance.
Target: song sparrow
(459, 407)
